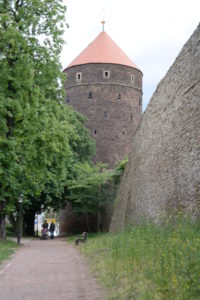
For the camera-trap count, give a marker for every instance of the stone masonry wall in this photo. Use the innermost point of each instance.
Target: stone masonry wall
(163, 172)
(113, 109)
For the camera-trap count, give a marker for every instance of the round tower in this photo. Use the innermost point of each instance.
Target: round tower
(106, 86)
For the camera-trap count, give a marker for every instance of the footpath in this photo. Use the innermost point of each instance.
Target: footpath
(48, 270)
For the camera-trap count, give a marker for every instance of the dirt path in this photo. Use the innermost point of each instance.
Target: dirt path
(48, 270)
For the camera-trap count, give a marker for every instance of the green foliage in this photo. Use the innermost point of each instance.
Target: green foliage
(87, 187)
(118, 171)
(92, 186)
(40, 137)
(149, 261)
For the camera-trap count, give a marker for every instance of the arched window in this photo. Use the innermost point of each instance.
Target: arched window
(95, 131)
(119, 96)
(90, 95)
(78, 77)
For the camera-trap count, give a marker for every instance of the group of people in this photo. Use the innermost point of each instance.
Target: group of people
(46, 228)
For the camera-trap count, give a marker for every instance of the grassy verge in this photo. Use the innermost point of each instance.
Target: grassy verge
(6, 249)
(148, 261)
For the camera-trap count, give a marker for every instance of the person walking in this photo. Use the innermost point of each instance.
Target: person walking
(52, 229)
(45, 226)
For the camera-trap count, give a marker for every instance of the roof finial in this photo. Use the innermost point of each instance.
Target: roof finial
(103, 22)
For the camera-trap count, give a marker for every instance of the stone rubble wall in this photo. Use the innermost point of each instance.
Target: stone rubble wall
(163, 172)
(114, 109)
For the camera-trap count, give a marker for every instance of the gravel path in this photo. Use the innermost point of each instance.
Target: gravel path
(48, 270)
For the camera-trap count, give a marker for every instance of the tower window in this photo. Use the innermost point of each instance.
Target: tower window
(132, 79)
(78, 77)
(131, 117)
(95, 131)
(123, 132)
(105, 114)
(90, 95)
(67, 99)
(106, 74)
(119, 96)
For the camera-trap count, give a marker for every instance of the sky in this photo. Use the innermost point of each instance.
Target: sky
(150, 32)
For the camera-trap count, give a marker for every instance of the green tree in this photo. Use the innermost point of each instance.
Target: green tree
(54, 192)
(87, 190)
(91, 187)
(39, 136)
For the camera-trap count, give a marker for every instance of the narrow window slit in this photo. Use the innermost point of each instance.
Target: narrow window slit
(140, 100)
(78, 77)
(106, 74)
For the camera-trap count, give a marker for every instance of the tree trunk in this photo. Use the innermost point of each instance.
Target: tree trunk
(13, 221)
(99, 213)
(87, 223)
(99, 220)
(29, 218)
(2, 221)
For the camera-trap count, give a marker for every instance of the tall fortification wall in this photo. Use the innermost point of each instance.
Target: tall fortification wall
(163, 172)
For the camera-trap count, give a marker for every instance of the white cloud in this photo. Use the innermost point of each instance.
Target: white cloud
(151, 33)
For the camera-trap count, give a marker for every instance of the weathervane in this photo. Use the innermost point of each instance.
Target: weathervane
(103, 22)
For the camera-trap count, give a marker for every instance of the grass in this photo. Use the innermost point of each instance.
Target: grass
(7, 248)
(148, 261)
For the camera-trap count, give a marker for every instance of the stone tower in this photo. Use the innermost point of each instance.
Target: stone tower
(106, 86)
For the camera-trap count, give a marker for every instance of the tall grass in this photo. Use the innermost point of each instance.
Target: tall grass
(149, 261)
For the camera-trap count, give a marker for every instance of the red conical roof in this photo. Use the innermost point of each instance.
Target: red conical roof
(103, 50)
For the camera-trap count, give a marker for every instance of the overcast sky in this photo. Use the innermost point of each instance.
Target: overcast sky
(150, 32)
